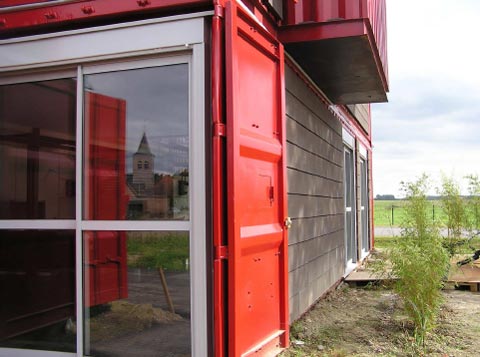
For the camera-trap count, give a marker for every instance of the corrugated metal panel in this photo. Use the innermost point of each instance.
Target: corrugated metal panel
(377, 13)
(304, 11)
(256, 186)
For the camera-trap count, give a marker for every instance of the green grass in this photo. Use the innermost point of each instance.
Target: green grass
(170, 251)
(385, 242)
(383, 212)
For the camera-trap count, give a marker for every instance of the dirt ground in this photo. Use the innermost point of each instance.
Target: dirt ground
(371, 322)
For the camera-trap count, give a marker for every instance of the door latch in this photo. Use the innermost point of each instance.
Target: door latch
(288, 223)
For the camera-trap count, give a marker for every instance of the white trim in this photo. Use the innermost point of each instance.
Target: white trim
(365, 253)
(101, 225)
(350, 209)
(362, 150)
(9, 352)
(348, 139)
(180, 57)
(38, 76)
(199, 326)
(251, 14)
(98, 43)
(34, 5)
(349, 267)
(37, 224)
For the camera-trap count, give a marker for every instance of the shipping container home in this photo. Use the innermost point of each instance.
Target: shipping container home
(181, 177)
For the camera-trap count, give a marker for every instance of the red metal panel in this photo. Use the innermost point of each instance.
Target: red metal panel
(377, 13)
(257, 241)
(106, 253)
(82, 10)
(342, 11)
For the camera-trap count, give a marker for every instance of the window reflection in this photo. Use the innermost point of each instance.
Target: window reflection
(37, 150)
(37, 290)
(137, 294)
(137, 144)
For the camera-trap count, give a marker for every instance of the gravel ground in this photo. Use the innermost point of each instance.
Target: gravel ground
(371, 322)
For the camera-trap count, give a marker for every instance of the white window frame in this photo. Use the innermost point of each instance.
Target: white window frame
(150, 43)
(349, 144)
(362, 150)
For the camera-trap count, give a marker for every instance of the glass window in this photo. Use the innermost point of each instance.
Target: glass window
(37, 290)
(134, 117)
(37, 150)
(137, 293)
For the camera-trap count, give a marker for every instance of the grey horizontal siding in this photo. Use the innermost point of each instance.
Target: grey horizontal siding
(307, 228)
(360, 112)
(315, 196)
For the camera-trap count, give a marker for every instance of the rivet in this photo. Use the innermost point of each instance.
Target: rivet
(51, 15)
(87, 10)
(3, 22)
(143, 3)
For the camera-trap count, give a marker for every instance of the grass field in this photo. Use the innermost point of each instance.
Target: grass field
(169, 251)
(386, 243)
(391, 213)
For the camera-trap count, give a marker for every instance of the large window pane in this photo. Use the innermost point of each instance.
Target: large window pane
(137, 294)
(137, 144)
(37, 290)
(37, 150)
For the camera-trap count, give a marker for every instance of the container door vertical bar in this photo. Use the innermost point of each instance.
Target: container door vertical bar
(256, 199)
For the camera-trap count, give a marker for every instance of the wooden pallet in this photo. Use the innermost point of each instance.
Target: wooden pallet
(466, 277)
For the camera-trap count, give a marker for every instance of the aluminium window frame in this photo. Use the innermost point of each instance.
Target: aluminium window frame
(119, 47)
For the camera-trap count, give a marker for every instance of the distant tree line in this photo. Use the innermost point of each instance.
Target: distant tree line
(385, 197)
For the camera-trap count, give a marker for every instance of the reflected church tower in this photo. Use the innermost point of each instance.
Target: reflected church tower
(143, 167)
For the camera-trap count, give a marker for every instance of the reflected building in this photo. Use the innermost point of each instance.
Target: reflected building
(158, 195)
(143, 167)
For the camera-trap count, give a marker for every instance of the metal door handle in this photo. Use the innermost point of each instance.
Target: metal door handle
(288, 222)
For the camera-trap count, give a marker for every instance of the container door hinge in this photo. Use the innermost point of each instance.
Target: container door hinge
(221, 252)
(218, 129)
(218, 10)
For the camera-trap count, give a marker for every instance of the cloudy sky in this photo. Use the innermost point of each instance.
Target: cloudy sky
(432, 121)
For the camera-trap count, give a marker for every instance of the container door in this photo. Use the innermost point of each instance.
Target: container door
(106, 251)
(256, 186)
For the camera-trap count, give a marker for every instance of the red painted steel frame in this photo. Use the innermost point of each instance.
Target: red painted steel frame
(63, 13)
(256, 186)
(218, 176)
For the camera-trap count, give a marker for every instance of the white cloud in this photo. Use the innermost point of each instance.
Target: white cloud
(432, 123)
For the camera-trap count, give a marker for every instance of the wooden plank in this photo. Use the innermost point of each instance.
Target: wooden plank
(295, 87)
(308, 251)
(324, 126)
(308, 206)
(299, 158)
(311, 227)
(304, 183)
(311, 142)
(360, 112)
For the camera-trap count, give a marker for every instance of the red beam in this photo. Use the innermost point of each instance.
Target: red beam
(322, 31)
(22, 18)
